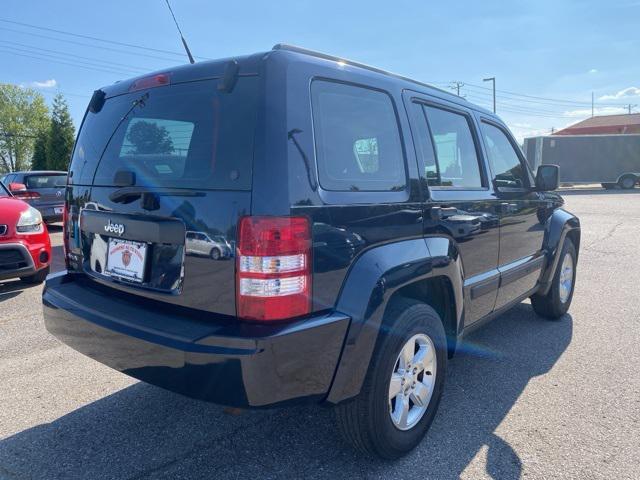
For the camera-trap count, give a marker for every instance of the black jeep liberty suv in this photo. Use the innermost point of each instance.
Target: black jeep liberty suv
(372, 221)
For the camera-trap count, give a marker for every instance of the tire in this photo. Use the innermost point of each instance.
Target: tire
(37, 277)
(215, 254)
(366, 420)
(555, 303)
(627, 182)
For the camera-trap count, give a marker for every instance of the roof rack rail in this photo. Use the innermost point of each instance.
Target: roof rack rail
(313, 53)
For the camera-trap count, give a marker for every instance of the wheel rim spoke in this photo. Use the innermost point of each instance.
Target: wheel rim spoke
(420, 395)
(423, 358)
(402, 411)
(406, 357)
(395, 387)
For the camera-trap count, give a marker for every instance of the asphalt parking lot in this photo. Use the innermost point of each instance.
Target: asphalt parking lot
(527, 398)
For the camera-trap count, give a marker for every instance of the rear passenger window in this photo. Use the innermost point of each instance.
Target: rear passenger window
(455, 163)
(357, 139)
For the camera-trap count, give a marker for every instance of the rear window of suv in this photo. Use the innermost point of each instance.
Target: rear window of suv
(186, 135)
(357, 138)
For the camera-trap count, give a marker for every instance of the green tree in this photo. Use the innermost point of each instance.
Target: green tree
(61, 135)
(148, 137)
(23, 113)
(39, 159)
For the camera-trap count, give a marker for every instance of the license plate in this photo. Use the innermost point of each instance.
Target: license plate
(126, 259)
(58, 210)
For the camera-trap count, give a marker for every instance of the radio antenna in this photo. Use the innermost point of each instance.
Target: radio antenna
(184, 42)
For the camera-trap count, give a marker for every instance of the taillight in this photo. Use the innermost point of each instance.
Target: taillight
(26, 195)
(149, 82)
(273, 268)
(65, 233)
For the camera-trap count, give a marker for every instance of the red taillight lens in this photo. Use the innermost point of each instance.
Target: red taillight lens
(65, 233)
(273, 268)
(26, 195)
(150, 82)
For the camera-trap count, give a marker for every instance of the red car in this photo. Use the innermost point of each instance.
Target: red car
(25, 248)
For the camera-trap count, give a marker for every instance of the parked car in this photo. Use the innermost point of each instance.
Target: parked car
(200, 243)
(292, 153)
(43, 190)
(25, 249)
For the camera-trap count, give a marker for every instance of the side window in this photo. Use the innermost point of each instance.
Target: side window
(503, 158)
(357, 139)
(456, 155)
(424, 146)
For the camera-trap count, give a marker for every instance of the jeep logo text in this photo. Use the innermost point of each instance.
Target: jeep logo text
(114, 228)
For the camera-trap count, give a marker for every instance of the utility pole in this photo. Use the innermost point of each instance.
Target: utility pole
(456, 86)
(630, 107)
(592, 104)
(493, 80)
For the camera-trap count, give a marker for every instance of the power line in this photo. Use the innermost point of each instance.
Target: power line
(101, 47)
(95, 39)
(64, 63)
(554, 100)
(119, 70)
(33, 47)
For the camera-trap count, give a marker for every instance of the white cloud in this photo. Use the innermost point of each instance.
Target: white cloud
(593, 70)
(51, 83)
(586, 112)
(627, 92)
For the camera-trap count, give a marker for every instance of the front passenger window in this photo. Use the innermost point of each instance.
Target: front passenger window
(503, 158)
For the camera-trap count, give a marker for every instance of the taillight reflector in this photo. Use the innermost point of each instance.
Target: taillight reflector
(26, 195)
(273, 268)
(150, 82)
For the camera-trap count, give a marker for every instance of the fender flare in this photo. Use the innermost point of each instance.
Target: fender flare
(370, 284)
(558, 226)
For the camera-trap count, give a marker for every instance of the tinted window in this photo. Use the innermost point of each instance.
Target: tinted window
(456, 155)
(503, 158)
(424, 146)
(3, 191)
(45, 181)
(357, 139)
(182, 136)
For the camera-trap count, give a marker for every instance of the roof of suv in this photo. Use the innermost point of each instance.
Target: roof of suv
(250, 65)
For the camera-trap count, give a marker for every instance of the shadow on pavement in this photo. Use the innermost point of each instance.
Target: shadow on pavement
(12, 288)
(144, 432)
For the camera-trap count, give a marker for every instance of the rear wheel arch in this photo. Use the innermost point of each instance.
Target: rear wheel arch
(437, 292)
(406, 269)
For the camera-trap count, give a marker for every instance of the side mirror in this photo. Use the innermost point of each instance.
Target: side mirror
(17, 187)
(547, 178)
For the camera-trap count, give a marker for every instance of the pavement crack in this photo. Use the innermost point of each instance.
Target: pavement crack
(605, 237)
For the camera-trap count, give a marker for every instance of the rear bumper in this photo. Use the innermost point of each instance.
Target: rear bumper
(49, 214)
(229, 363)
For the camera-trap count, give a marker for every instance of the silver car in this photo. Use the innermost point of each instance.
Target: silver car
(43, 190)
(200, 243)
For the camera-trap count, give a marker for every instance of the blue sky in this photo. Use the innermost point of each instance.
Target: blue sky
(557, 51)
